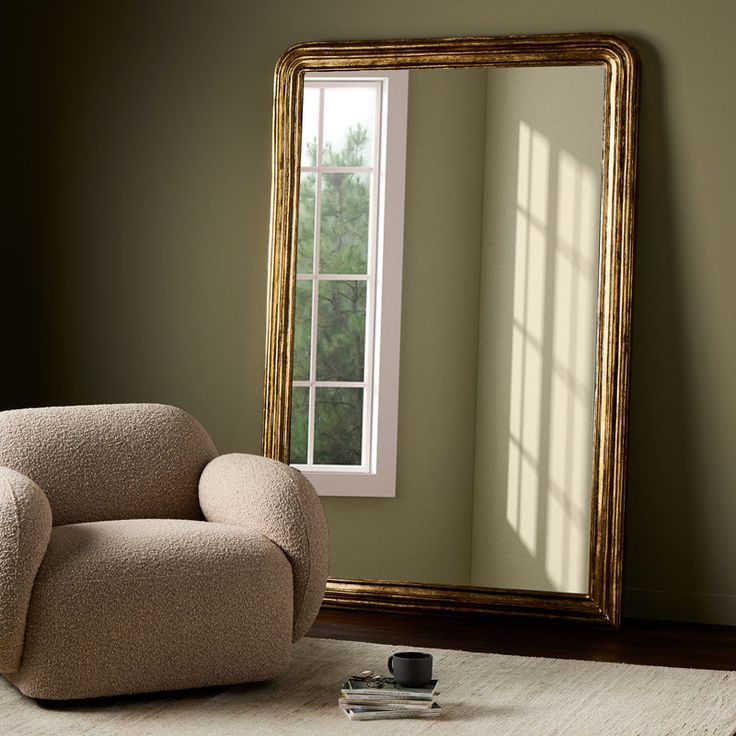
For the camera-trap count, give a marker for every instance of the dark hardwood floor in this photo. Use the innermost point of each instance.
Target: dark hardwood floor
(638, 642)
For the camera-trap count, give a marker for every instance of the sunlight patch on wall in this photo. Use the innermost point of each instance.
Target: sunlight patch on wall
(573, 346)
(525, 426)
(553, 353)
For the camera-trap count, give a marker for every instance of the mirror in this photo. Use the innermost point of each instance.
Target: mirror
(518, 229)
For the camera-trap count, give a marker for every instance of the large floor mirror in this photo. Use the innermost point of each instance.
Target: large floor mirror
(481, 193)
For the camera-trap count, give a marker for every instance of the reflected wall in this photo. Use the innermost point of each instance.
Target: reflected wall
(537, 328)
(498, 337)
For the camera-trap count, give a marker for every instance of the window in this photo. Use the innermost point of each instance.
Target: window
(348, 291)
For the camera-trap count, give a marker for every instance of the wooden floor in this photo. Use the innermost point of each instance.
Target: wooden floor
(638, 642)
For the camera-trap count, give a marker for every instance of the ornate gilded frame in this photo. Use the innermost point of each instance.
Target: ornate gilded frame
(602, 603)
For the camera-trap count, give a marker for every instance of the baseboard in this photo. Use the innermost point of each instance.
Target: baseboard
(673, 605)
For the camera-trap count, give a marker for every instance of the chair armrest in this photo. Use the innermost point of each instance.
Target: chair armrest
(25, 529)
(280, 503)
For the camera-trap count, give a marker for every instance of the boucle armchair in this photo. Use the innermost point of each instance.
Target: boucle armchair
(134, 559)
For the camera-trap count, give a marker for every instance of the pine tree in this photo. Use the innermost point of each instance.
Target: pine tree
(343, 246)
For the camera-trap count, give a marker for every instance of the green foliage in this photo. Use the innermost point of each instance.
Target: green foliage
(305, 238)
(338, 426)
(302, 330)
(299, 420)
(344, 223)
(345, 209)
(341, 331)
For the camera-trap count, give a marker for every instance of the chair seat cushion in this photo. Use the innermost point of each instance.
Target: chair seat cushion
(155, 604)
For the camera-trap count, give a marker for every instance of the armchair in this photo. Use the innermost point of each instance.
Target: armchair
(134, 559)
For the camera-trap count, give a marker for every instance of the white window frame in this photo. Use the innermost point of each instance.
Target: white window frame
(376, 477)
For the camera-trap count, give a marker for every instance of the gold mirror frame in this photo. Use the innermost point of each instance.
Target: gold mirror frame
(602, 603)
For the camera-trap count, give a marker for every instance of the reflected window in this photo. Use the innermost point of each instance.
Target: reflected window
(348, 292)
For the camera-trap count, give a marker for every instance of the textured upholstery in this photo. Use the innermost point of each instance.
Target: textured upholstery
(152, 604)
(25, 526)
(132, 590)
(116, 461)
(280, 502)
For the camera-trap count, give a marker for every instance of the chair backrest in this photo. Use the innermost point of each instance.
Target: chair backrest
(110, 461)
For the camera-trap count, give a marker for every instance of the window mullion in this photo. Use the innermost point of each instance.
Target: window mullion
(338, 384)
(337, 169)
(333, 277)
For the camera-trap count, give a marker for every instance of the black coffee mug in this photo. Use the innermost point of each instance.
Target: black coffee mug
(411, 669)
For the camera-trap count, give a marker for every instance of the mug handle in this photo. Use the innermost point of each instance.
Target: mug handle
(391, 664)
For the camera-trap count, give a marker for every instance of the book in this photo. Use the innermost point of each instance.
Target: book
(367, 703)
(369, 697)
(359, 713)
(388, 689)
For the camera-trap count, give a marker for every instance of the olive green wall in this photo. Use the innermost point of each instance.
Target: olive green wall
(396, 538)
(537, 326)
(136, 243)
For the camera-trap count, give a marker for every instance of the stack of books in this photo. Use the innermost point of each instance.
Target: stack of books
(370, 698)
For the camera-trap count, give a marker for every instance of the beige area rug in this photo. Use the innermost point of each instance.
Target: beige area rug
(486, 694)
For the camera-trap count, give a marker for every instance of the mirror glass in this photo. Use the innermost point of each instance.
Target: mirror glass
(498, 334)
(514, 284)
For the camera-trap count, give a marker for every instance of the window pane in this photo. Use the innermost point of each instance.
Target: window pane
(299, 425)
(349, 115)
(341, 331)
(310, 126)
(344, 211)
(302, 330)
(305, 247)
(338, 426)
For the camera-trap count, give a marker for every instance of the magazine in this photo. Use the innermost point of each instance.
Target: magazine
(369, 703)
(359, 713)
(371, 697)
(389, 688)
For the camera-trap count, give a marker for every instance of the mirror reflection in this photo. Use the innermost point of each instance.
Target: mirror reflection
(497, 313)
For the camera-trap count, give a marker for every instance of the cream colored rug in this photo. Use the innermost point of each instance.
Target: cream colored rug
(485, 694)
